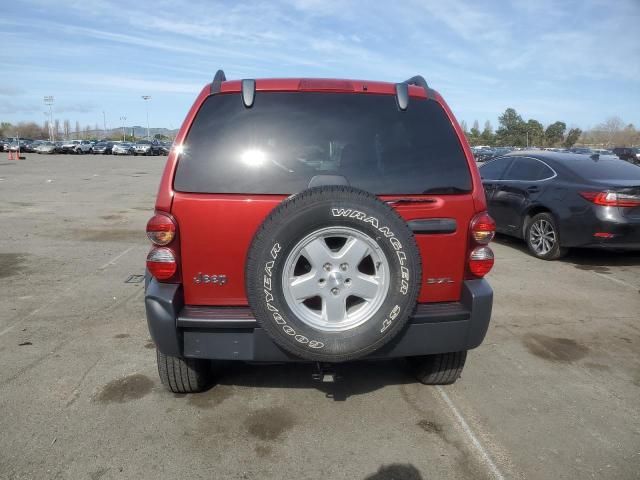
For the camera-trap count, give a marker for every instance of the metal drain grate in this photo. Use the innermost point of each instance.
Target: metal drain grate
(134, 279)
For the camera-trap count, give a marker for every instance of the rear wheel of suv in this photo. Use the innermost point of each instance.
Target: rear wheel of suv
(333, 274)
(184, 375)
(542, 237)
(439, 369)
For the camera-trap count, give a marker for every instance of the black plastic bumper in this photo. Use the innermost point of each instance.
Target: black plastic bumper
(231, 333)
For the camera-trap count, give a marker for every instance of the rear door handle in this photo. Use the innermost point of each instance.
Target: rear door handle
(533, 189)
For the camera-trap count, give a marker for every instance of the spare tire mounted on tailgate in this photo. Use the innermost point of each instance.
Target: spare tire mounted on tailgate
(332, 274)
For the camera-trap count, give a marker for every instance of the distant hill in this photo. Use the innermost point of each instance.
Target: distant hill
(140, 132)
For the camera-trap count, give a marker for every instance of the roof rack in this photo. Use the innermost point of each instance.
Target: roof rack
(217, 82)
(402, 90)
(419, 81)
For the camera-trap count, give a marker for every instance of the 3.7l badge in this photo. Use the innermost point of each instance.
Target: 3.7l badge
(212, 279)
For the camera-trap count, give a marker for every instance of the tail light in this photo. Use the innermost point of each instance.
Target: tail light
(481, 261)
(162, 260)
(161, 229)
(161, 263)
(482, 230)
(612, 199)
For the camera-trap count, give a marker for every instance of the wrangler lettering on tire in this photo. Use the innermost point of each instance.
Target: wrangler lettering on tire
(332, 274)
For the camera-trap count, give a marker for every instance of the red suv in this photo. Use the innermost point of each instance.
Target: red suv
(318, 220)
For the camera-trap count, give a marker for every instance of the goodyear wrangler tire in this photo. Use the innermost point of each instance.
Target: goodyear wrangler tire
(332, 274)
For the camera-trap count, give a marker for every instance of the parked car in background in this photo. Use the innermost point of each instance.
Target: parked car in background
(555, 201)
(602, 151)
(85, 146)
(77, 146)
(165, 148)
(46, 148)
(582, 150)
(146, 147)
(483, 154)
(122, 148)
(103, 148)
(631, 154)
(24, 144)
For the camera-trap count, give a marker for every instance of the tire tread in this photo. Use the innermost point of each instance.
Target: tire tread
(183, 375)
(439, 369)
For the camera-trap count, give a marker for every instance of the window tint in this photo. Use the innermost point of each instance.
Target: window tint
(528, 169)
(494, 169)
(603, 168)
(286, 139)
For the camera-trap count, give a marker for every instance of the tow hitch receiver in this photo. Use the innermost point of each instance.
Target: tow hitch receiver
(325, 373)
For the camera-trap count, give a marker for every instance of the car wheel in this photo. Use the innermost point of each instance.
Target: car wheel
(542, 237)
(184, 375)
(332, 274)
(439, 369)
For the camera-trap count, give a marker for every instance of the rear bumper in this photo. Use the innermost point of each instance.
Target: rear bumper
(231, 333)
(581, 230)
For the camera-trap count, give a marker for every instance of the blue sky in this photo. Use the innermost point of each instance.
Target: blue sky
(575, 61)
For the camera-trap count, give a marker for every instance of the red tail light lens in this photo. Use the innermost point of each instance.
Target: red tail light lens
(483, 228)
(161, 263)
(612, 199)
(481, 261)
(161, 229)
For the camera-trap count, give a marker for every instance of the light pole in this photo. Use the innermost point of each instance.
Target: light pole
(123, 119)
(145, 98)
(48, 100)
(104, 124)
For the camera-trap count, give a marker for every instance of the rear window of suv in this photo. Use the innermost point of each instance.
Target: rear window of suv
(284, 140)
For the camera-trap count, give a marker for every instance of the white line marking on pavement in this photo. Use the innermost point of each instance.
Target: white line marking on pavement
(616, 280)
(116, 258)
(469, 433)
(64, 292)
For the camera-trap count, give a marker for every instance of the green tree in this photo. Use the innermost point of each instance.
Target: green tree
(554, 134)
(572, 137)
(487, 136)
(535, 132)
(6, 129)
(512, 130)
(474, 133)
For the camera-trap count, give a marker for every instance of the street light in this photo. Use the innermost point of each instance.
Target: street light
(48, 100)
(145, 98)
(123, 119)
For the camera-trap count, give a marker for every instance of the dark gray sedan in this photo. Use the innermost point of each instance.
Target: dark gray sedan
(555, 201)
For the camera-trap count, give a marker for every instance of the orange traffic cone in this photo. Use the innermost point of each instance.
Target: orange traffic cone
(12, 156)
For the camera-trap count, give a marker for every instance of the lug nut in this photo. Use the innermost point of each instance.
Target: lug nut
(334, 291)
(344, 267)
(347, 282)
(327, 267)
(321, 281)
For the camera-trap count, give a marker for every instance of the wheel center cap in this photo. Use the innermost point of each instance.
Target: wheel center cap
(335, 279)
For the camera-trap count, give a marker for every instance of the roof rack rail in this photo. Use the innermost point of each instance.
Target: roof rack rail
(402, 90)
(248, 92)
(419, 81)
(402, 95)
(217, 82)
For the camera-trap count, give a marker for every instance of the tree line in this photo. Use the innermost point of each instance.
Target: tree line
(514, 131)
